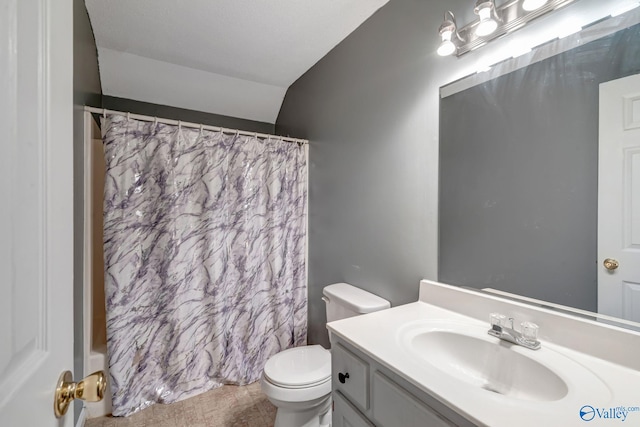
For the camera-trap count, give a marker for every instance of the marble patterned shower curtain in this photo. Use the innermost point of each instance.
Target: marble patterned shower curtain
(205, 258)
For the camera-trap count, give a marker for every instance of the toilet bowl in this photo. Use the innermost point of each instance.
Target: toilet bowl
(298, 380)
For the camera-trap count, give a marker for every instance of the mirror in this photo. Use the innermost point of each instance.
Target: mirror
(576, 312)
(518, 197)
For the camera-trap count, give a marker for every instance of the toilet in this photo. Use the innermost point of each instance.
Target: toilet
(298, 380)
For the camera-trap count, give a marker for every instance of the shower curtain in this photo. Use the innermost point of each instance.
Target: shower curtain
(205, 258)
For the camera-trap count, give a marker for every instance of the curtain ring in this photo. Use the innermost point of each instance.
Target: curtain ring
(179, 124)
(155, 122)
(201, 128)
(104, 113)
(128, 116)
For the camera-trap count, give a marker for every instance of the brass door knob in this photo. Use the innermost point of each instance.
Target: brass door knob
(611, 264)
(90, 389)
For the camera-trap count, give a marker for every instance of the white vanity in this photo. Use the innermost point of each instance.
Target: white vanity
(432, 363)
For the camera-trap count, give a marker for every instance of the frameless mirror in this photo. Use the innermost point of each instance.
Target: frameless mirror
(521, 147)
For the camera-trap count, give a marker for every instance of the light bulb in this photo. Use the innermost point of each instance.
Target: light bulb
(447, 47)
(487, 24)
(530, 5)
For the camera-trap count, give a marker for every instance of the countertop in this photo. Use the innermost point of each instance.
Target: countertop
(611, 385)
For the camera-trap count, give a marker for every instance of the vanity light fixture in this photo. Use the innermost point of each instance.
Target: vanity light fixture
(492, 22)
(530, 5)
(447, 31)
(486, 10)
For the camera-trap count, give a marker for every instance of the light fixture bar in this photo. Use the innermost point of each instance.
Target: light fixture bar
(513, 17)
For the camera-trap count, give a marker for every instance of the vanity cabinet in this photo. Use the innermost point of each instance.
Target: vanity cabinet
(345, 414)
(351, 375)
(365, 393)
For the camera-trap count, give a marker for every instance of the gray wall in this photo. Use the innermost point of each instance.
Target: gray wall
(86, 91)
(370, 109)
(519, 175)
(361, 108)
(148, 109)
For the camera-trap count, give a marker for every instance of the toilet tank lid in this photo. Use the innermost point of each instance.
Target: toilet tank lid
(355, 299)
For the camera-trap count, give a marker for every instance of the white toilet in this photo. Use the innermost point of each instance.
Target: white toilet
(298, 380)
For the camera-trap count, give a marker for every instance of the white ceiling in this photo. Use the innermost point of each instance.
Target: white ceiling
(230, 57)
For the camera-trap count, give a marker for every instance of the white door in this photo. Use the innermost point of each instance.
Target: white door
(619, 199)
(36, 208)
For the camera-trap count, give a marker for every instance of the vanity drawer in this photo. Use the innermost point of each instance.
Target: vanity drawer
(392, 407)
(350, 375)
(345, 414)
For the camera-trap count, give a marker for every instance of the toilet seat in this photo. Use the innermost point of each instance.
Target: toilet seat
(310, 395)
(299, 367)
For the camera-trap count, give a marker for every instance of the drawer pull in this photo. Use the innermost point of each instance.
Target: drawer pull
(343, 377)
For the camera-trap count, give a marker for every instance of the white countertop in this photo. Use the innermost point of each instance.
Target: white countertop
(604, 385)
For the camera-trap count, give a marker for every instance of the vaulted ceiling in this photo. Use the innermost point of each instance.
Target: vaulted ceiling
(229, 57)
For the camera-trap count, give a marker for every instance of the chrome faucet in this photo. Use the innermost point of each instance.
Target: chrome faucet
(527, 338)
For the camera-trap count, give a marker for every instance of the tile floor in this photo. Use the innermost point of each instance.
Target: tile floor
(228, 405)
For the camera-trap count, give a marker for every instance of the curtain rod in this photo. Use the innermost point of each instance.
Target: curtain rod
(104, 111)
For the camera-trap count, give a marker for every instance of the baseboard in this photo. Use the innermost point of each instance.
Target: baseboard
(82, 419)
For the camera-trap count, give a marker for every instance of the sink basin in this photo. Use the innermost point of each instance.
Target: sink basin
(465, 352)
(493, 366)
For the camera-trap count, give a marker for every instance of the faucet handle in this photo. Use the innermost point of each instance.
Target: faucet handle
(497, 319)
(529, 331)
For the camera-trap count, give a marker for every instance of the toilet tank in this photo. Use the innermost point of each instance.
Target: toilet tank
(344, 300)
